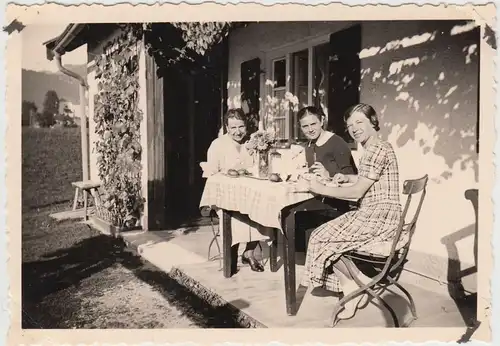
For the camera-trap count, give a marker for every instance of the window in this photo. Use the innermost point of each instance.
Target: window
(279, 90)
(303, 72)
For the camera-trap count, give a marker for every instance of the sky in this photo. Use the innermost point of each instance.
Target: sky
(34, 54)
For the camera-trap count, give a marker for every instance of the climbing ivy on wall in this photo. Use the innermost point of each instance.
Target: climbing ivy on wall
(117, 117)
(116, 112)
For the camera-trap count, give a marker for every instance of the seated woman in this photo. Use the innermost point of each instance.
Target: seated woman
(229, 152)
(376, 187)
(326, 153)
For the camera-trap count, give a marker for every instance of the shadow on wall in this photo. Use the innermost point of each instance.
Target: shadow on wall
(422, 78)
(455, 271)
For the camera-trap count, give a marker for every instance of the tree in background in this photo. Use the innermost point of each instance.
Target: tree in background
(28, 112)
(50, 107)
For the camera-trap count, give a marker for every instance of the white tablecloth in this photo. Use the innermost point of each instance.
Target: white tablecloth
(261, 200)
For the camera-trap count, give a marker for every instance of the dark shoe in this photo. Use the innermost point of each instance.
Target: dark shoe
(253, 263)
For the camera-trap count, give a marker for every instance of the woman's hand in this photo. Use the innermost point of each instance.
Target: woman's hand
(316, 185)
(340, 178)
(303, 183)
(318, 169)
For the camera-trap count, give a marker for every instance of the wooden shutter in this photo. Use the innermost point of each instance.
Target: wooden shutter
(250, 90)
(344, 77)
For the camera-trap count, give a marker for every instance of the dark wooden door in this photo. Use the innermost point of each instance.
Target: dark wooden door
(344, 77)
(207, 122)
(176, 146)
(193, 107)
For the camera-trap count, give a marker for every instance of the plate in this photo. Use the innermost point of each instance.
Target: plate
(254, 177)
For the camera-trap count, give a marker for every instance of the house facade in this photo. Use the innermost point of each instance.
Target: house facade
(68, 108)
(422, 77)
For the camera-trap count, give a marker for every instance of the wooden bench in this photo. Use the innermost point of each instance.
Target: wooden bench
(85, 187)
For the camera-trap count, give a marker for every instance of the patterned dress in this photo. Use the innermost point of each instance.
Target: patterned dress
(375, 221)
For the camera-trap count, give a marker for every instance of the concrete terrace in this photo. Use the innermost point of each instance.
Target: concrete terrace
(259, 298)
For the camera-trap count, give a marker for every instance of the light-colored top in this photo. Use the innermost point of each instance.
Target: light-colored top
(224, 154)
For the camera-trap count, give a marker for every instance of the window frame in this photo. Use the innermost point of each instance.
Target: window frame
(281, 88)
(286, 52)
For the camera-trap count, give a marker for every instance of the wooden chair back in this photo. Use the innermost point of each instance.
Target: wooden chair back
(410, 188)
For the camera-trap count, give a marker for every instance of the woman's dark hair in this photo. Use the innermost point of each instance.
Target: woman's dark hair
(367, 110)
(310, 110)
(235, 113)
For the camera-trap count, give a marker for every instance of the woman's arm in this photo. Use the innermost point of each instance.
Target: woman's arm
(351, 178)
(351, 192)
(212, 166)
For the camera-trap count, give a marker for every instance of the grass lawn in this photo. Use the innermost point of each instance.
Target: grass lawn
(75, 277)
(51, 161)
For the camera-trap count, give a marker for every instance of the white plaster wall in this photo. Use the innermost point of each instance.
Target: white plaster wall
(425, 89)
(260, 39)
(426, 92)
(94, 173)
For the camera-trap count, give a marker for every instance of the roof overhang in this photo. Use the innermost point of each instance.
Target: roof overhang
(77, 35)
(70, 39)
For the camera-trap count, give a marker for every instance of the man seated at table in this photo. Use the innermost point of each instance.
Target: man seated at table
(229, 152)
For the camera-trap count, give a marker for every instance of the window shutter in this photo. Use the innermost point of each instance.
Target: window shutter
(344, 77)
(250, 90)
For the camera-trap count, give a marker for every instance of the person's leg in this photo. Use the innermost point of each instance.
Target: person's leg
(249, 249)
(349, 286)
(248, 257)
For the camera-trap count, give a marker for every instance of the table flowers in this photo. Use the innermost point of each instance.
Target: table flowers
(260, 144)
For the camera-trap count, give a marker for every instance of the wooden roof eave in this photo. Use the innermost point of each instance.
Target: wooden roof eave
(67, 41)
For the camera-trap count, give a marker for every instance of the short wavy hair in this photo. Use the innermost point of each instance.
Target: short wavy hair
(235, 113)
(367, 110)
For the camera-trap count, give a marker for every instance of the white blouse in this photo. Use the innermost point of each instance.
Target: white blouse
(224, 154)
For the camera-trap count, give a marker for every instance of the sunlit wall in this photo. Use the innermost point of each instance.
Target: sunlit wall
(422, 78)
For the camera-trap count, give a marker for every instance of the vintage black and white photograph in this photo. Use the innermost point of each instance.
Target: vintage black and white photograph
(254, 173)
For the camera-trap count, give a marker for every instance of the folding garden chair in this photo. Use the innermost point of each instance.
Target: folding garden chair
(214, 222)
(387, 269)
(210, 212)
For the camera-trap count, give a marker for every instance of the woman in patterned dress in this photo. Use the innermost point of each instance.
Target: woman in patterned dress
(228, 152)
(376, 188)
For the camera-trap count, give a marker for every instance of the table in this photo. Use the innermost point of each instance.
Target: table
(272, 205)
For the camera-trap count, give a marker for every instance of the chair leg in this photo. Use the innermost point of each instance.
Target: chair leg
(362, 289)
(413, 308)
(85, 204)
(75, 201)
(343, 302)
(210, 248)
(216, 241)
(387, 306)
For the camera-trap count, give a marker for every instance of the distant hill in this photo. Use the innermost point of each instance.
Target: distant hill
(35, 84)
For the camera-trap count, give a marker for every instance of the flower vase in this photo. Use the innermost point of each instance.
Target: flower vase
(263, 164)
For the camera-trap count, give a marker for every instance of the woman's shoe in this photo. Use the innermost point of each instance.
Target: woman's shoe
(253, 263)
